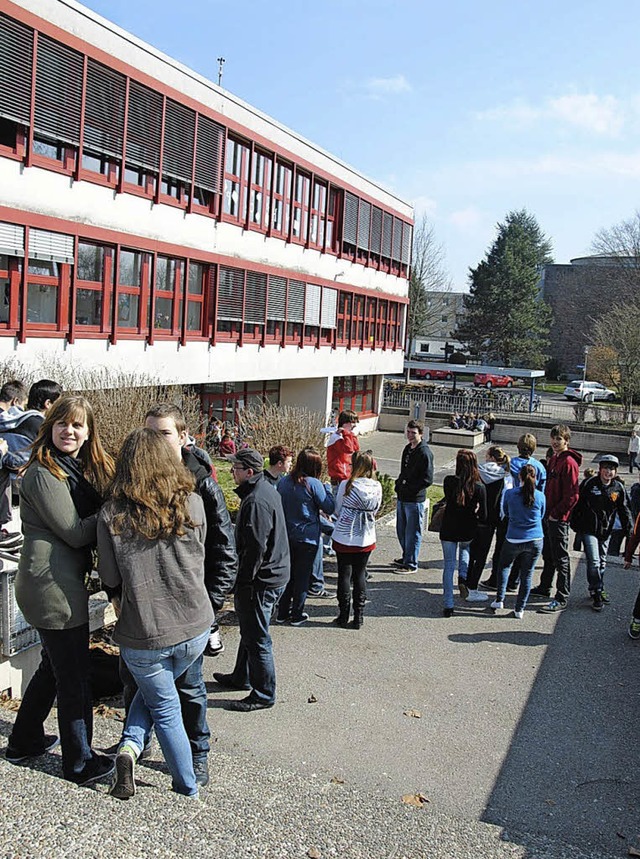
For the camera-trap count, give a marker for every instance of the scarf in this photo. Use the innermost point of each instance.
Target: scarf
(86, 499)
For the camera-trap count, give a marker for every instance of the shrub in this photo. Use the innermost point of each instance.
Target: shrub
(388, 494)
(263, 426)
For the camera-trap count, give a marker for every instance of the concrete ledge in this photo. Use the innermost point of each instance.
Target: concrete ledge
(459, 438)
(598, 442)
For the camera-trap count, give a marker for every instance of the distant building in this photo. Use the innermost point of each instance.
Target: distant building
(152, 221)
(445, 308)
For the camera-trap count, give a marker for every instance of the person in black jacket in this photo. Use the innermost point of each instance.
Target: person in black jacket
(416, 475)
(263, 572)
(601, 497)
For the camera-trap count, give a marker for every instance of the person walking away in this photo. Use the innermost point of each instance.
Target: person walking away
(151, 541)
(303, 497)
(633, 450)
(561, 493)
(466, 509)
(524, 508)
(263, 572)
(342, 444)
(601, 498)
(354, 538)
(495, 474)
(62, 489)
(416, 475)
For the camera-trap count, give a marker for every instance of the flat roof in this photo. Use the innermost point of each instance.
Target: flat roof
(516, 372)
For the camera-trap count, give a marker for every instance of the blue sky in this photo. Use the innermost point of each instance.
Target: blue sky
(465, 109)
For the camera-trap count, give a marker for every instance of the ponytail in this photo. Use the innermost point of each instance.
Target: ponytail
(527, 475)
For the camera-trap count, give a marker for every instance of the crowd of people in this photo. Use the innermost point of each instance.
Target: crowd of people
(168, 557)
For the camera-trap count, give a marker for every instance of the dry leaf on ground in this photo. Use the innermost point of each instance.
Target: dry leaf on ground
(337, 780)
(314, 853)
(415, 799)
(312, 699)
(416, 714)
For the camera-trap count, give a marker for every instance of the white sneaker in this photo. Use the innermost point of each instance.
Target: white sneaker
(518, 614)
(477, 596)
(214, 646)
(497, 604)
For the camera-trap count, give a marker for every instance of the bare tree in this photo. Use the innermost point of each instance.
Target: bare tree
(620, 247)
(616, 357)
(429, 279)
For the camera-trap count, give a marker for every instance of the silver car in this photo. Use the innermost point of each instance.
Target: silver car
(588, 392)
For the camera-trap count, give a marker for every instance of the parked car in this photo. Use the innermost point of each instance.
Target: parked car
(587, 392)
(491, 380)
(434, 374)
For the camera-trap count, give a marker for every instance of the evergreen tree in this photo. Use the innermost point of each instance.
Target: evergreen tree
(505, 318)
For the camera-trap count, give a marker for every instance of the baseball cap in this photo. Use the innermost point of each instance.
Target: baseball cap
(609, 459)
(247, 459)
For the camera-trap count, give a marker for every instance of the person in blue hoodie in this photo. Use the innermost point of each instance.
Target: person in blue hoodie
(525, 509)
(527, 445)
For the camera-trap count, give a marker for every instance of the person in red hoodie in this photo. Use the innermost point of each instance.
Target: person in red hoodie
(561, 493)
(342, 444)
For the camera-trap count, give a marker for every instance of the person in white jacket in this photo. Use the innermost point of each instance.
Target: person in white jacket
(357, 501)
(633, 450)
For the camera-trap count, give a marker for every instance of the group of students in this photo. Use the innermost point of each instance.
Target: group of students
(530, 507)
(470, 421)
(167, 556)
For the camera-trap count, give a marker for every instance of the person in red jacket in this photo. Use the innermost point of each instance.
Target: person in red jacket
(561, 493)
(342, 444)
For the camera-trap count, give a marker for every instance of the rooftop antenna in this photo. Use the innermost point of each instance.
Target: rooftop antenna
(221, 62)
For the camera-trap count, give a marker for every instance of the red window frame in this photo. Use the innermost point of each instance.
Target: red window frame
(139, 290)
(354, 393)
(104, 286)
(259, 211)
(59, 282)
(11, 275)
(299, 226)
(18, 150)
(170, 289)
(236, 180)
(283, 178)
(318, 215)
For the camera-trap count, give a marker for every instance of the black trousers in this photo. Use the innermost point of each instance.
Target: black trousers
(352, 573)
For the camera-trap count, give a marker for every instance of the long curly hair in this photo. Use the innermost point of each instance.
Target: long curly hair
(97, 465)
(150, 490)
(467, 474)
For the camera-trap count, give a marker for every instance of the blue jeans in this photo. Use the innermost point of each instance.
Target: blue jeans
(595, 551)
(63, 673)
(452, 552)
(254, 663)
(528, 553)
(303, 556)
(409, 522)
(157, 702)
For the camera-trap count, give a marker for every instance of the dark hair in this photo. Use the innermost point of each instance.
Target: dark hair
(347, 417)
(362, 465)
(13, 390)
(561, 431)
(527, 444)
(42, 391)
(278, 453)
(308, 464)
(417, 425)
(168, 410)
(467, 474)
(527, 475)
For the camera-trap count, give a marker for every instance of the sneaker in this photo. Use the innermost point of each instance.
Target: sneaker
(124, 783)
(476, 596)
(201, 769)
(553, 607)
(447, 612)
(16, 756)
(597, 604)
(634, 628)
(323, 594)
(606, 599)
(488, 585)
(304, 617)
(518, 614)
(10, 539)
(462, 587)
(398, 562)
(405, 571)
(285, 619)
(214, 645)
(227, 681)
(539, 592)
(97, 769)
(496, 604)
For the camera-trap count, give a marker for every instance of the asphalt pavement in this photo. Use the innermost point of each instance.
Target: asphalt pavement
(520, 737)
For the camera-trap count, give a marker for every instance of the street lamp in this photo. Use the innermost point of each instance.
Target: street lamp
(584, 365)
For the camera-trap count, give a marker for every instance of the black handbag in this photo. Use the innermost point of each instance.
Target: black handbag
(437, 516)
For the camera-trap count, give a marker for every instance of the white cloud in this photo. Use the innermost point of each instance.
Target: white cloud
(379, 87)
(424, 206)
(604, 115)
(467, 219)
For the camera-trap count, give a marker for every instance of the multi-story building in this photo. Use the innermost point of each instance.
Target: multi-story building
(152, 221)
(444, 310)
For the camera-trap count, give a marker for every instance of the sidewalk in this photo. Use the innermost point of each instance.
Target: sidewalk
(521, 734)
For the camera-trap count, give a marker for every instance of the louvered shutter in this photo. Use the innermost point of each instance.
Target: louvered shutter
(295, 301)
(387, 235)
(363, 225)
(50, 246)
(397, 239)
(209, 154)
(376, 230)
(329, 307)
(58, 91)
(179, 128)
(144, 126)
(16, 50)
(11, 240)
(312, 304)
(256, 297)
(350, 218)
(406, 243)
(104, 110)
(230, 293)
(277, 300)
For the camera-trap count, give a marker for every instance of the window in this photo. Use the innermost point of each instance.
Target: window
(255, 304)
(300, 214)
(357, 320)
(43, 283)
(178, 151)
(133, 277)
(224, 400)
(168, 280)
(230, 301)
(343, 319)
(333, 209)
(260, 193)
(281, 200)
(144, 125)
(92, 285)
(235, 182)
(354, 393)
(10, 274)
(58, 100)
(196, 284)
(276, 307)
(318, 215)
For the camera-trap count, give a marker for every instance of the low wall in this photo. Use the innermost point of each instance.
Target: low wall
(457, 438)
(598, 442)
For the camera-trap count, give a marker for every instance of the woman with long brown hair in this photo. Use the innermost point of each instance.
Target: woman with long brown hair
(465, 510)
(354, 537)
(151, 536)
(303, 497)
(61, 492)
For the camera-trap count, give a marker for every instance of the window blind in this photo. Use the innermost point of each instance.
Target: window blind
(16, 50)
(144, 125)
(179, 129)
(295, 301)
(58, 91)
(11, 240)
(230, 293)
(277, 298)
(104, 110)
(50, 246)
(256, 297)
(209, 154)
(312, 304)
(350, 218)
